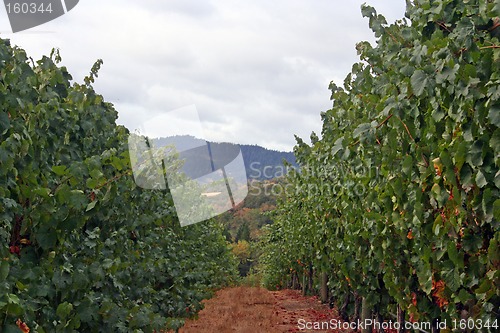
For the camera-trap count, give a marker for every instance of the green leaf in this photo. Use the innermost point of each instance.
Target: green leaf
(96, 174)
(4, 270)
(494, 115)
(446, 160)
(407, 164)
(419, 81)
(467, 131)
(495, 141)
(77, 199)
(452, 279)
(494, 249)
(59, 170)
(368, 11)
(338, 146)
(87, 312)
(475, 156)
(464, 296)
(46, 237)
(455, 256)
(461, 154)
(20, 286)
(12, 299)
(496, 210)
(43, 192)
(362, 128)
(64, 310)
(480, 179)
(92, 183)
(4, 122)
(91, 205)
(472, 243)
(484, 287)
(436, 190)
(10, 328)
(438, 114)
(14, 310)
(437, 226)
(424, 277)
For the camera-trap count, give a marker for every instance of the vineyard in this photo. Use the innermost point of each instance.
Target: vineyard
(83, 249)
(395, 212)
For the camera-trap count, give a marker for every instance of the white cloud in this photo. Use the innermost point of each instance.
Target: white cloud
(257, 71)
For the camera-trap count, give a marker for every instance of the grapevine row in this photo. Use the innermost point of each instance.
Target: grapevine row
(396, 207)
(82, 248)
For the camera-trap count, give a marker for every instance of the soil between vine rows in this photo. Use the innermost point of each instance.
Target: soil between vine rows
(251, 310)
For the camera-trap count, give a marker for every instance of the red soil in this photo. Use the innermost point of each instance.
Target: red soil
(250, 310)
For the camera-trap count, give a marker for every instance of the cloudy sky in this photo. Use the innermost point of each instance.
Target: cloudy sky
(256, 71)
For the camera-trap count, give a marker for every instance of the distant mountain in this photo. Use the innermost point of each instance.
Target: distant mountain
(260, 163)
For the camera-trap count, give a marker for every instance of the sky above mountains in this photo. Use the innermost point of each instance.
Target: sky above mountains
(256, 71)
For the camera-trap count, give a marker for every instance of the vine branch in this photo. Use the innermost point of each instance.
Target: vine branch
(385, 120)
(490, 47)
(407, 130)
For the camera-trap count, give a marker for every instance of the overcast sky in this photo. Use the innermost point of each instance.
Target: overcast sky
(256, 71)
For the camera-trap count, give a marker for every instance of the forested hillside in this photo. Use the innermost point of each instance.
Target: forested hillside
(396, 210)
(260, 163)
(83, 249)
(243, 225)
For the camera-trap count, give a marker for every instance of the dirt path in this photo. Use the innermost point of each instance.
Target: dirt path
(251, 310)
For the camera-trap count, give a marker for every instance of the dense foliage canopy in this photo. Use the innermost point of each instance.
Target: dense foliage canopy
(82, 248)
(399, 199)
